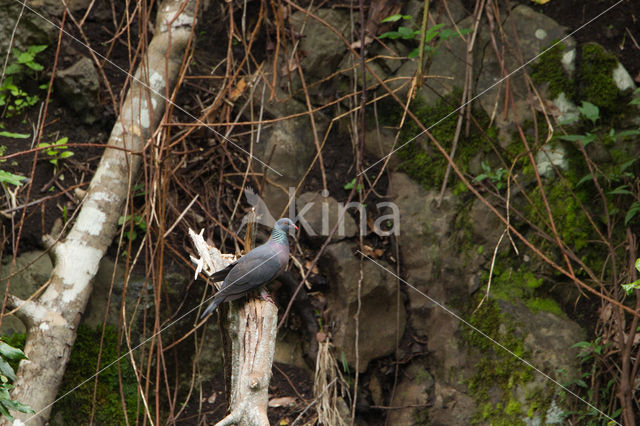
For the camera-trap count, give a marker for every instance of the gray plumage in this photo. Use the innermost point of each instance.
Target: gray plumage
(258, 267)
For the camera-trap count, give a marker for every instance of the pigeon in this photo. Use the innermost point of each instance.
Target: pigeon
(258, 267)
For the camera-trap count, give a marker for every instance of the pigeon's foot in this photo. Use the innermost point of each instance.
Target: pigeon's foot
(264, 295)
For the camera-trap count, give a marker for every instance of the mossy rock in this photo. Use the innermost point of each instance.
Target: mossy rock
(593, 80)
(421, 159)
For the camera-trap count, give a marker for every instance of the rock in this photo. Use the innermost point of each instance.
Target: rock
(567, 110)
(486, 226)
(622, 79)
(549, 156)
(380, 143)
(56, 7)
(289, 350)
(534, 32)
(445, 250)
(318, 213)
(548, 337)
(375, 388)
(378, 312)
(31, 31)
(412, 392)
(429, 251)
(415, 8)
(288, 148)
(78, 87)
(320, 50)
(30, 272)
(451, 406)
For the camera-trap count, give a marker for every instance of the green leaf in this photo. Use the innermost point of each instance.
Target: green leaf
(638, 264)
(18, 406)
(631, 286)
(343, 360)
(633, 210)
(627, 164)
(447, 33)
(590, 111)
(390, 35)
(4, 411)
(432, 32)
(10, 178)
(10, 352)
(37, 48)
(25, 57)
(581, 345)
(621, 190)
(626, 133)
(396, 17)
(14, 135)
(34, 66)
(586, 178)
(585, 139)
(406, 33)
(13, 69)
(7, 370)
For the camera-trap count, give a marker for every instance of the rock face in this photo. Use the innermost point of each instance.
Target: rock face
(320, 51)
(32, 30)
(382, 319)
(288, 148)
(440, 261)
(320, 214)
(534, 32)
(413, 390)
(78, 86)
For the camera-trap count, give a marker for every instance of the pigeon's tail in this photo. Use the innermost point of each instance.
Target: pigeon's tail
(212, 306)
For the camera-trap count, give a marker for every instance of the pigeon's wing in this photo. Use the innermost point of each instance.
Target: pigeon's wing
(222, 273)
(256, 268)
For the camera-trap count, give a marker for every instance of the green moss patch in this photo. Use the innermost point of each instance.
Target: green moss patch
(593, 80)
(82, 365)
(498, 373)
(423, 161)
(549, 70)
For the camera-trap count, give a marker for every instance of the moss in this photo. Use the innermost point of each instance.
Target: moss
(510, 284)
(423, 162)
(544, 304)
(81, 366)
(498, 372)
(593, 78)
(595, 82)
(549, 70)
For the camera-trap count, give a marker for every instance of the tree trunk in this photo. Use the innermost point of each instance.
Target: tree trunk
(249, 345)
(52, 318)
(249, 336)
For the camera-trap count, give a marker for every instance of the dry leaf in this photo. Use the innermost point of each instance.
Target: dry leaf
(283, 401)
(307, 265)
(238, 89)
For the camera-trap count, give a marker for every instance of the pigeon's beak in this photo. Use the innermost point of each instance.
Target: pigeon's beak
(295, 227)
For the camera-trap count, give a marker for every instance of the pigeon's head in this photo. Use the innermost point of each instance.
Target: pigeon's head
(285, 224)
